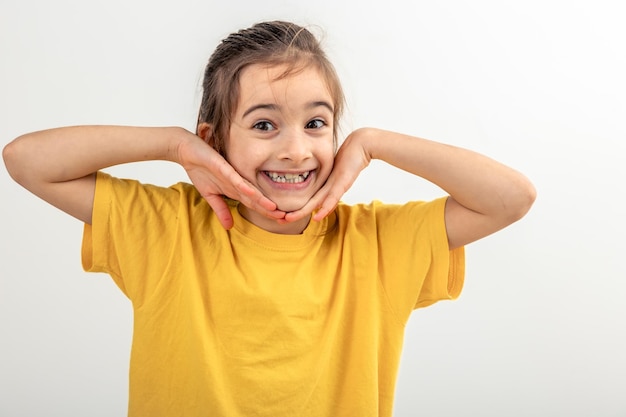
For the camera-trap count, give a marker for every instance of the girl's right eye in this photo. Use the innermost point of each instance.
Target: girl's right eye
(264, 125)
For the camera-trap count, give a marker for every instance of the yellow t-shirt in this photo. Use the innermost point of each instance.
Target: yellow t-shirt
(250, 323)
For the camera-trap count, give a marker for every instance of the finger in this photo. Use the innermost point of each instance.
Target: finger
(294, 216)
(328, 206)
(243, 191)
(255, 198)
(221, 209)
(313, 204)
(337, 187)
(252, 198)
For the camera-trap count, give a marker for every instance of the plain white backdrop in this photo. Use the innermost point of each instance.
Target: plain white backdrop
(539, 85)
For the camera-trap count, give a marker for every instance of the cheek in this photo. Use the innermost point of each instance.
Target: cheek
(330, 152)
(233, 155)
(234, 149)
(327, 158)
(245, 159)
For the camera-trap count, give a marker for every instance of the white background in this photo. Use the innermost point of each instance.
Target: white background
(539, 85)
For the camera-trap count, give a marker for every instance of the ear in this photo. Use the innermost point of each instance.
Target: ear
(205, 131)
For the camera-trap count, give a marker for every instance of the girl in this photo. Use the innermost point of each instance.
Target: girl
(274, 298)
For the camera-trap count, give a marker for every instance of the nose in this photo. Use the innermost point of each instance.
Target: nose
(295, 146)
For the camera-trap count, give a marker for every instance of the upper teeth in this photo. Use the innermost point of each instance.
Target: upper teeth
(291, 178)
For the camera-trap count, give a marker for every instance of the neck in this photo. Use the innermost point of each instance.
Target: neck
(272, 225)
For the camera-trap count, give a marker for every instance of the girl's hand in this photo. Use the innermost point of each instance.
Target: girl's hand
(352, 157)
(214, 178)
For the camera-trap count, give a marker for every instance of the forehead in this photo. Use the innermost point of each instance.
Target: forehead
(281, 84)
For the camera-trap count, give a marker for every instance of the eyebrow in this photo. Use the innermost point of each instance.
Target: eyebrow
(310, 105)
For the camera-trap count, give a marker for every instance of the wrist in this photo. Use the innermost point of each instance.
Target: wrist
(178, 139)
(368, 139)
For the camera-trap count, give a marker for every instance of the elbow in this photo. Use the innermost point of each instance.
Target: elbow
(521, 200)
(9, 156)
(15, 156)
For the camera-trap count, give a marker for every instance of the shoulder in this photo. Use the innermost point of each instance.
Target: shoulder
(380, 210)
(409, 222)
(108, 183)
(134, 197)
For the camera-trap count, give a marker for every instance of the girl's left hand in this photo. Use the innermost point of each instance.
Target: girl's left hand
(352, 157)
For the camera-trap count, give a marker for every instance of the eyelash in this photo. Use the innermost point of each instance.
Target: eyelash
(320, 122)
(263, 125)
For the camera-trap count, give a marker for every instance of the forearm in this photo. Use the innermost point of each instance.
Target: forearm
(65, 154)
(58, 165)
(475, 181)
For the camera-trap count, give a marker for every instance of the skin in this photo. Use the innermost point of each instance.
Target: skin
(485, 196)
(282, 126)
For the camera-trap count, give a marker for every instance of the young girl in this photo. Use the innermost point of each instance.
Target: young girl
(274, 299)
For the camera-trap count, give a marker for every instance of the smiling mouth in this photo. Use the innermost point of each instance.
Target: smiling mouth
(287, 177)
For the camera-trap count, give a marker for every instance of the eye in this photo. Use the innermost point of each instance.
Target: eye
(264, 125)
(315, 124)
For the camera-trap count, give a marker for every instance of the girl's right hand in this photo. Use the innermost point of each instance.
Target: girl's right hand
(214, 178)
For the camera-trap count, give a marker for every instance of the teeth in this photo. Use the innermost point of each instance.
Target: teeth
(288, 178)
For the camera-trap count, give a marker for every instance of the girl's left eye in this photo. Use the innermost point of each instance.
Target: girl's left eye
(315, 124)
(264, 125)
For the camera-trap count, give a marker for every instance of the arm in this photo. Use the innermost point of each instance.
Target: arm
(485, 196)
(59, 165)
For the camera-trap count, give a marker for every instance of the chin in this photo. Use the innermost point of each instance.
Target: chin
(289, 206)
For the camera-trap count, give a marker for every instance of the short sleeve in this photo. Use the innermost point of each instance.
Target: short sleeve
(417, 267)
(132, 233)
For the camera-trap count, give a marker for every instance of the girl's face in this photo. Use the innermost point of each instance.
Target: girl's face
(281, 137)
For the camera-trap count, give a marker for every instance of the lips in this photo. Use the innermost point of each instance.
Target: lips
(287, 177)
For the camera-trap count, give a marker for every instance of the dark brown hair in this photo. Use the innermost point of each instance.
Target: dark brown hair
(268, 43)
